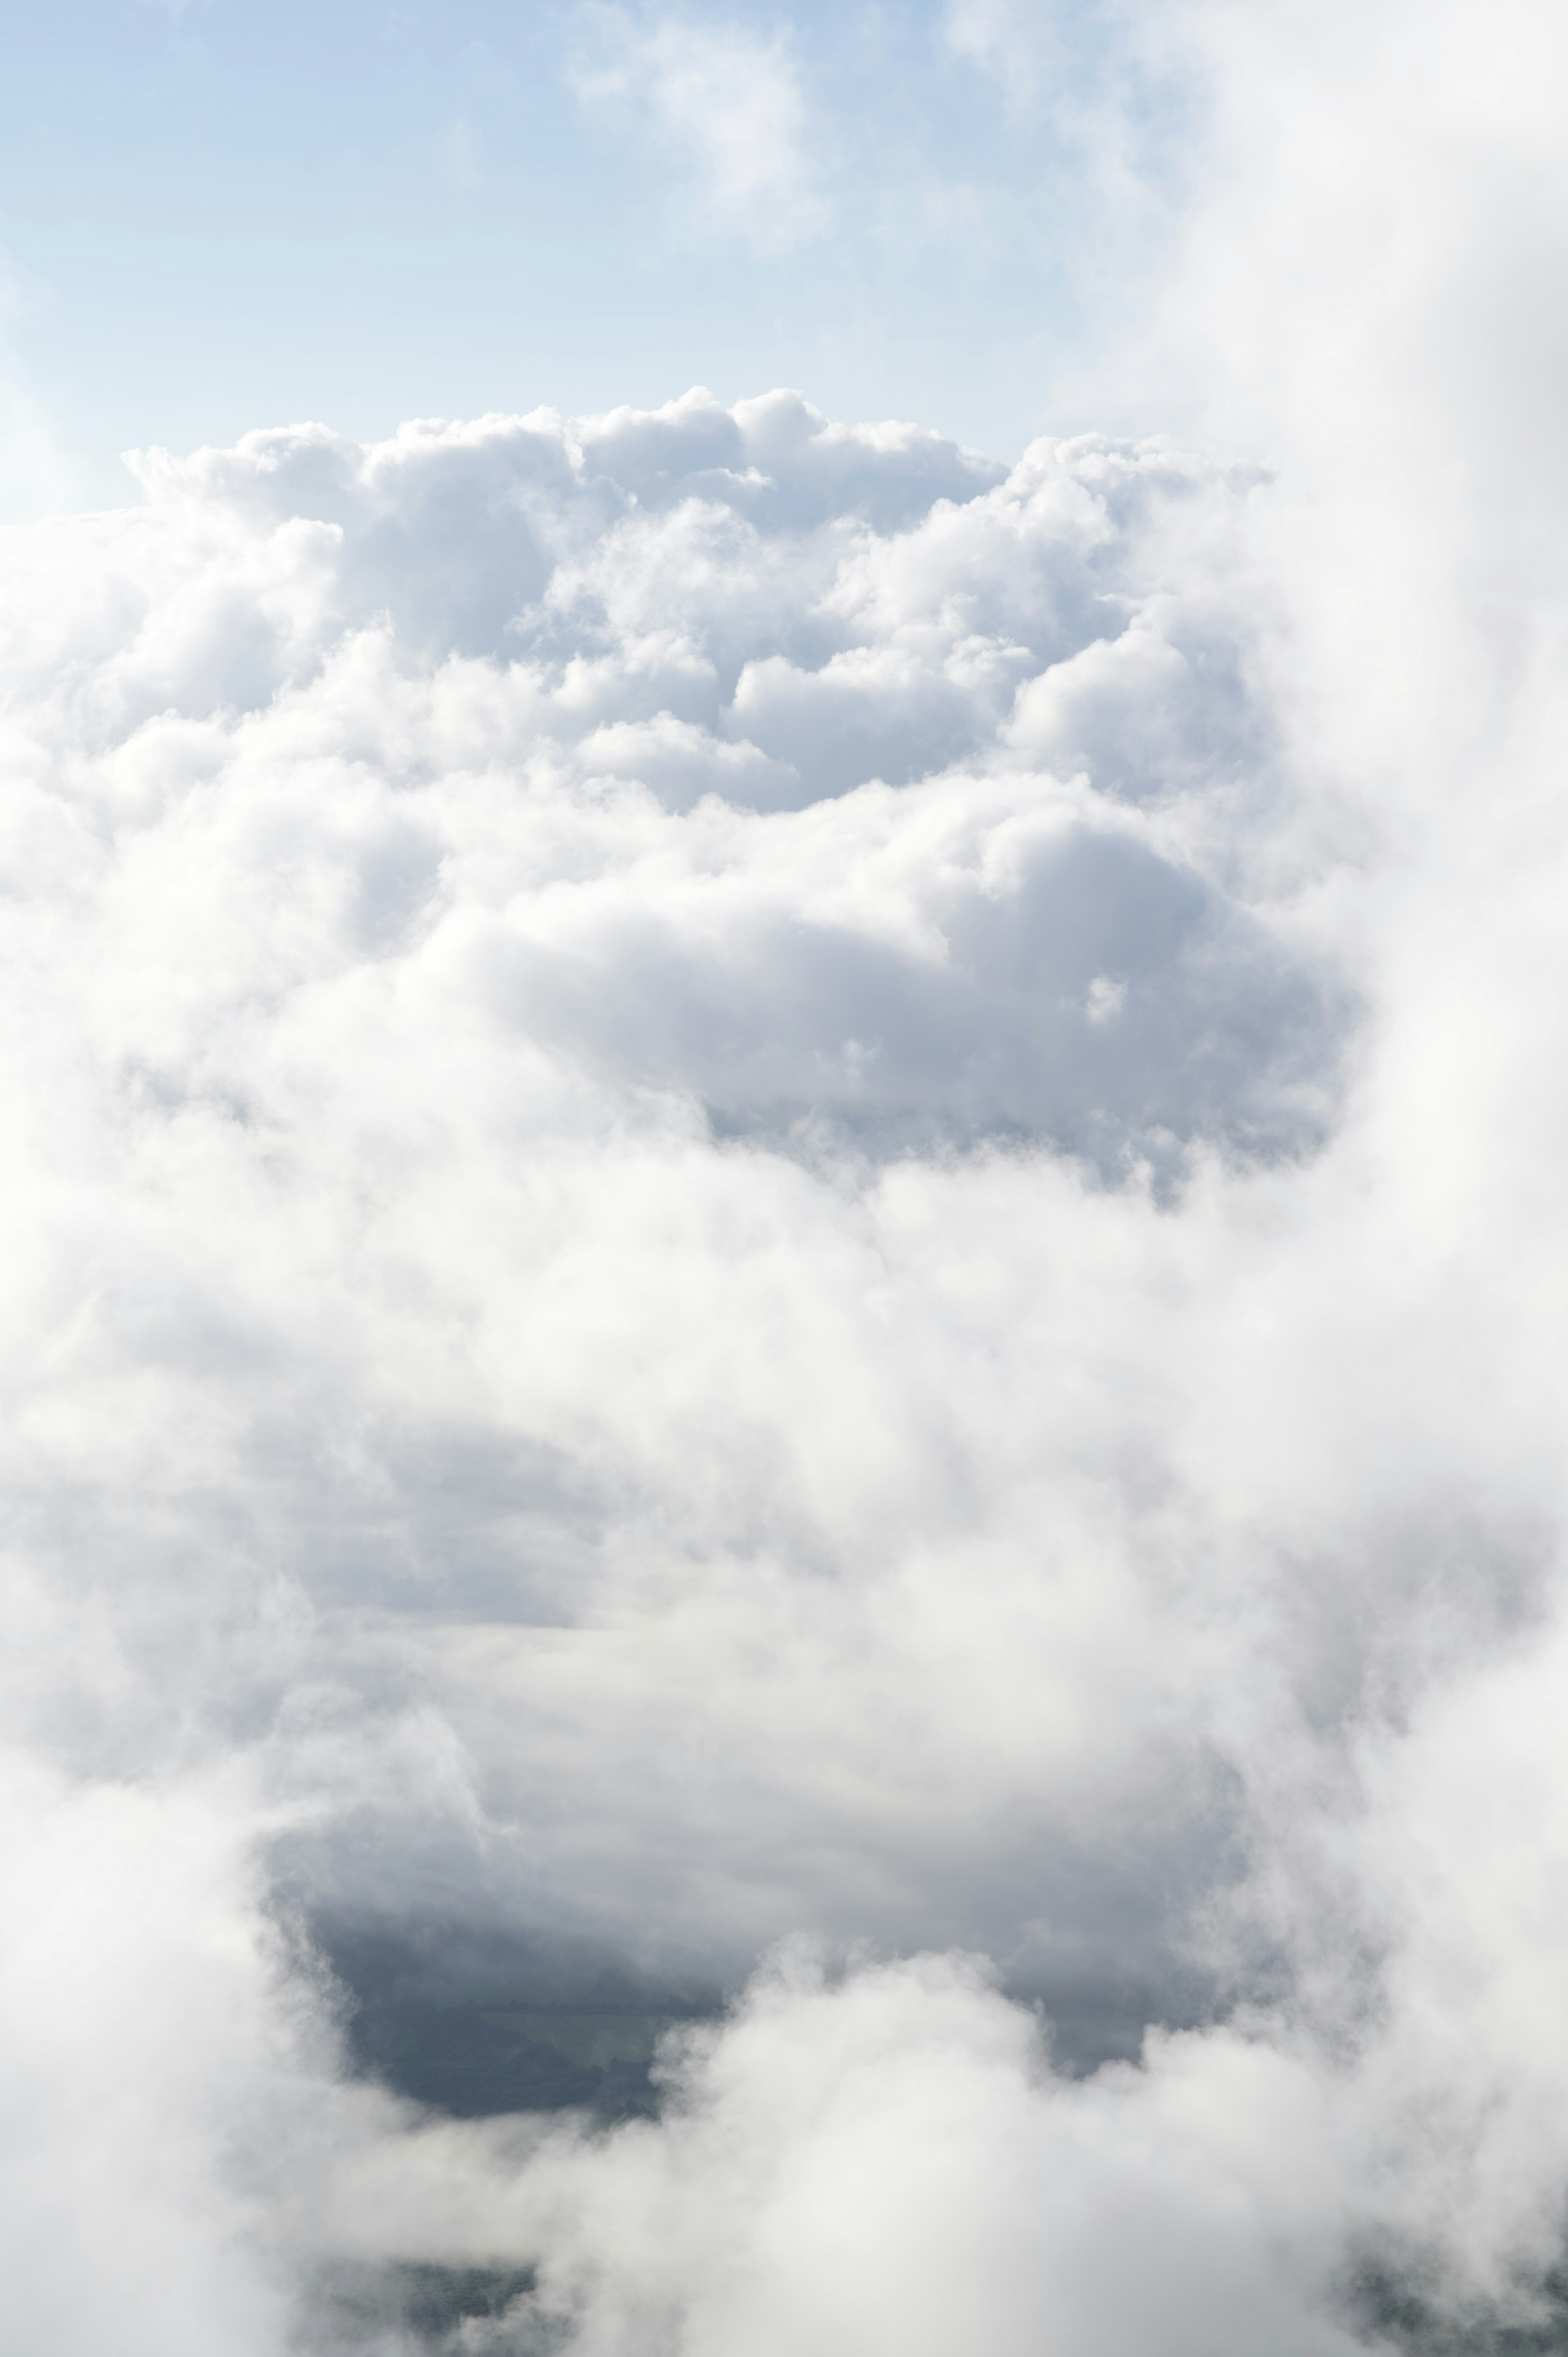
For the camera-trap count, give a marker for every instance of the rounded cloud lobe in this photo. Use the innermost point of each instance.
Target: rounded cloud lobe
(773, 1256)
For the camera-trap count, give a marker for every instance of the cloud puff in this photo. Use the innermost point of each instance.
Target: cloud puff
(726, 651)
(891, 2162)
(727, 101)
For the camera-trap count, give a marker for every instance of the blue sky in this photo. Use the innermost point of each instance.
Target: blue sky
(224, 213)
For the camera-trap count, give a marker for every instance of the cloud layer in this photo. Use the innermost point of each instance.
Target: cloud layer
(784, 1226)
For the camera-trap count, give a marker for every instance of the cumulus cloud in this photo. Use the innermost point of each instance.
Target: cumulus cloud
(724, 98)
(784, 1291)
(891, 2163)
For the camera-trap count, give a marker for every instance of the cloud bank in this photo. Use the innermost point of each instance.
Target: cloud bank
(785, 1258)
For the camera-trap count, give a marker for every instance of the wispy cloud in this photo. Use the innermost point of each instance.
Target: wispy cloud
(1003, 40)
(461, 155)
(727, 101)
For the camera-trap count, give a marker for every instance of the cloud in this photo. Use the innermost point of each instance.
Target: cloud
(677, 1071)
(891, 2159)
(785, 1263)
(727, 101)
(1003, 40)
(744, 658)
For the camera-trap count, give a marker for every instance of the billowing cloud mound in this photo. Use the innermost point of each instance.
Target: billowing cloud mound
(784, 1412)
(801, 776)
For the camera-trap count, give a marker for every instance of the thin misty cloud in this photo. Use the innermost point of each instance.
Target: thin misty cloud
(1105, 97)
(727, 104)
(38, 470)
(1010, 43)
(460, 150)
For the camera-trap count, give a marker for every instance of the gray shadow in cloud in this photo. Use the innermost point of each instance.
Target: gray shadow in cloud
(779, 461)
(1110, 1004)
(461, 1521)
(835, 733)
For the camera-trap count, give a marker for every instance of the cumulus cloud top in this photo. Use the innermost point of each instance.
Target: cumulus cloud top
(862, 786)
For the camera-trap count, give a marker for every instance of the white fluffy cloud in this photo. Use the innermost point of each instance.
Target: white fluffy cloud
(782, 1214)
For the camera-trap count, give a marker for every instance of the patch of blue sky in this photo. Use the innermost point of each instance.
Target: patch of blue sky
(224, 213)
